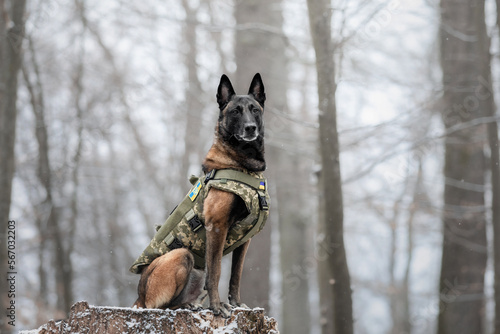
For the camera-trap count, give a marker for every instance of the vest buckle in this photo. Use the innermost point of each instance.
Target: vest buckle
(195, 223)
(176, 243)
(263, 203)
(210, 175)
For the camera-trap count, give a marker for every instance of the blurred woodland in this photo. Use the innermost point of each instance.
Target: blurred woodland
(381, 147)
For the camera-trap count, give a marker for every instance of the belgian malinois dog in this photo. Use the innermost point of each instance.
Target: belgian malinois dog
(171, 280)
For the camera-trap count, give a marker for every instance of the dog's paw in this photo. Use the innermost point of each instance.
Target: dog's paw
(203, 299)
(237, 303)
(241, 305)
(221, 309)
(193, 307)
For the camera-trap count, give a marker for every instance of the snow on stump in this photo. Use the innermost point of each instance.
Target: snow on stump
(84, 318)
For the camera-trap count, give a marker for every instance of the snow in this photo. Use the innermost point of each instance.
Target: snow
(203, 324)
(228, 329)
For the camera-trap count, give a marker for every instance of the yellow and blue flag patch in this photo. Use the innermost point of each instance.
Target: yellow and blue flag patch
(193, 194)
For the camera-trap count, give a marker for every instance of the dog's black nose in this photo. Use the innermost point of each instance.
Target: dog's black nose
(250, 128)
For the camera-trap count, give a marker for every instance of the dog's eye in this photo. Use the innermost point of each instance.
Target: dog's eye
(235, 111)
(255, 110)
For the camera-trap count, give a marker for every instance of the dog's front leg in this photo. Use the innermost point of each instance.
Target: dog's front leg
(215, 246)
(236, 273)
(217, 207)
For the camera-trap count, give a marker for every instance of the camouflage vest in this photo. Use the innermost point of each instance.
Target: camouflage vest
(185, 225)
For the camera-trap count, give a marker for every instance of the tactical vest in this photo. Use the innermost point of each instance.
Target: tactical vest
(185, 227)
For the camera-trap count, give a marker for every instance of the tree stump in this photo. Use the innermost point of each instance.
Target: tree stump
(87, 319)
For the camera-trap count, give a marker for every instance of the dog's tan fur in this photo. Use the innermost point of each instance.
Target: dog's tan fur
(165, 278)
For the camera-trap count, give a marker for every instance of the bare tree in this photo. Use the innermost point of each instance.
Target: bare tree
(339, 317)
(495, 207)
(464, 241)
(399, 290)
(194, 96)
(49, 207)
(261, 23)
(250, 60)
(494, 163)
(11, 40)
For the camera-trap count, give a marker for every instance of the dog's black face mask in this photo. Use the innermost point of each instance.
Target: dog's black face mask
(240, 117)
(243, 119)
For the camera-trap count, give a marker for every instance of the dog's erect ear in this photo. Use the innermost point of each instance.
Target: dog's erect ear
(224, 92)
(257, 89)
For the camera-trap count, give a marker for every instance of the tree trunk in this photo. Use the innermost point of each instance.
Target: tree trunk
(330, 183)
(260, 23)
(11, 38)
(294, 219)
(464, 234)
(40, 220)
(193, 143)
(399, 294)
(495, 207)
(78, 78)
(86, 319)
(495, 176)
(64, 270)
(398, 290)
(250, 59)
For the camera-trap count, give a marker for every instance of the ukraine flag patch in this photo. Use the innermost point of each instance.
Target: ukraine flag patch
(262, 185)
(194, 193)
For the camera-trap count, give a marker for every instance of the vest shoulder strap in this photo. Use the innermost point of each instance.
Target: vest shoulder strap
(256, 181)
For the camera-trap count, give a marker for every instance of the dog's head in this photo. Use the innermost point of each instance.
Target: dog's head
(241, 116)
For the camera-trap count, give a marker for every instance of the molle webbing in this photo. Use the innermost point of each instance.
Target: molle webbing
(185, 225)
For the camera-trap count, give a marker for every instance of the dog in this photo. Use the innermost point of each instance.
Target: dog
(171, 280)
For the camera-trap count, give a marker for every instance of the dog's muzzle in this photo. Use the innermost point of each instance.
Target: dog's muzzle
(250, 132)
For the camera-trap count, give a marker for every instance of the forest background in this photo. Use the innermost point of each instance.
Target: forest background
(107, 107)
